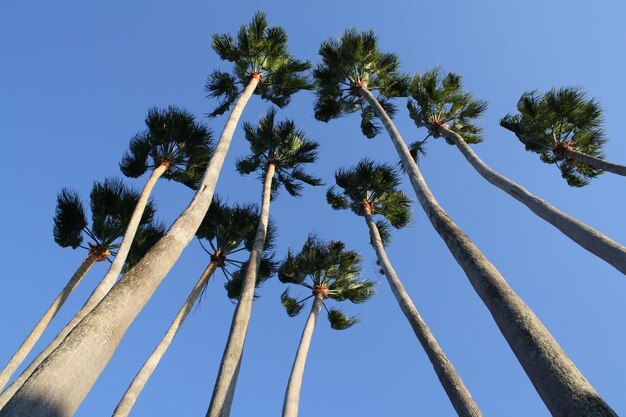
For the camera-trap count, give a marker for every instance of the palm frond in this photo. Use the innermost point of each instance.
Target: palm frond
(292, 306)
(69, 219)
(339, 321)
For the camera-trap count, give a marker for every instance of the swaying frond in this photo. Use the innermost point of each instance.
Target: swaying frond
(233, 286)
(69, 219)
(292, 306)
(339, 321)
(350, 64)
(559, 120)
(147, 235)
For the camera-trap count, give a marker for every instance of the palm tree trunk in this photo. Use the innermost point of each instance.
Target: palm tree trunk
(58, 386)
(587, 237)
(292, 395)
(458, 394)
(594, 162)
(101, 289)
(562, 387)
(224, 390)
(43, 323)
(136, 386)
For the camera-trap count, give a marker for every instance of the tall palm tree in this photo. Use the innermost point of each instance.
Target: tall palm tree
(257, 47)
(173, 146)
(371, 189)
(279, 151)
(228, 231)
(329, 272)
(111, 207)
(350, 68)
(442, 107)
(564, 128)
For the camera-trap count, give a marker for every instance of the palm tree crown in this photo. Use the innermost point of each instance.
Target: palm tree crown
(438, 100)
(258, 51)
(372, 188)
(556, 121)
(329, 270)
(282, 145)
(352, 63)
(112, 204)
(174, 139)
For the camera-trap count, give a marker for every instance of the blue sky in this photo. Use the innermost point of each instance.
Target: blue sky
(77, 79)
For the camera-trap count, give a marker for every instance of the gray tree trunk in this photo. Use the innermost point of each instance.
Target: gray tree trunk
(101, 289)
(292, 395)
(224, 390)
(58, 386)
(136, 386)
(459, 395)
(562, 387)
(40, 327)
(587, 237)
(595, 162)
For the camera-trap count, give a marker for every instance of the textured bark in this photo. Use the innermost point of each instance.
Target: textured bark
(587, 237)
(43, 323)
(101, 289)
(562, 387)
(594, 162)
(58, 386)
(136, 386)
(224, 390)
(459, 396)
(292, 395)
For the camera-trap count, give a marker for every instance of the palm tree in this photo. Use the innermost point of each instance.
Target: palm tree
(350, 68)
(445, 110)
(279, 151)
(261, 49)
(174, 147)
(371, 189)
(111, 206)
(564, 128)
(329, 272)
(227, 230)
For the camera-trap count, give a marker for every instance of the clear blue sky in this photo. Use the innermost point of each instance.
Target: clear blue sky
(77, 78)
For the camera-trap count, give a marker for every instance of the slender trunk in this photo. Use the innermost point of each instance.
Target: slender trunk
(58, 386)
(459, 395)
(43, 323)
(587, 237)
(594, 162)
(226, 381)
(292, 395)
(562, 387)
(101, 289)
(136, 386)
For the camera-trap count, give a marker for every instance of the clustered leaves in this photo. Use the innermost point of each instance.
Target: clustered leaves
(560, 118)
(328, 266)
(260, 51)
(350, 64)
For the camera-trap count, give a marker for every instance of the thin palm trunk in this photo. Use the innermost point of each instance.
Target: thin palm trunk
(58, 386)
(594, 162)
(562, 387)
(459, 395)
(587, 237)
(292, 395)
(224, 390)
(136, 386)
(43, 323)
(101, 289)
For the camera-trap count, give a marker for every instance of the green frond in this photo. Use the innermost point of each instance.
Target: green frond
(384, 230)
(69, 219)
(417, 149)
(234, 285)
(112, 205)
(339, 321)
(147, 235)
(336, 200)
(135, 161)
(291, 305)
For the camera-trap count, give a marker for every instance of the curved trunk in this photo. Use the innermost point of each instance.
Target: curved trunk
(101, 289)
(136, 386)
(459, 396)
(58, 386)
(292, 395)
(594, 162)
(224, 390)
(43, 323)
(562, 387)
(587, 237)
